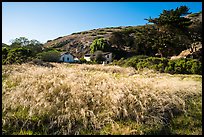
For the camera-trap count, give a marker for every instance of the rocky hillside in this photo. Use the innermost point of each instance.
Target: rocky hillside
(78, 43)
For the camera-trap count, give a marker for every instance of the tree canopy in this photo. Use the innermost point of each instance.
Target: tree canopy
(100, 44)
(173, 18)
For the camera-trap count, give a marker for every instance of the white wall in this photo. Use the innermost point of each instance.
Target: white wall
(87, 58)
(67, 58)
(108, 58)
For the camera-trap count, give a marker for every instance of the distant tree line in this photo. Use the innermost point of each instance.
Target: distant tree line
(22, 50)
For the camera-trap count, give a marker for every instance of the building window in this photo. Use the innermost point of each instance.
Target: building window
(107, 56)
(67, 59)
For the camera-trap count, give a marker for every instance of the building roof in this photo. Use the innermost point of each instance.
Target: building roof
(62, 53)
(104, 53)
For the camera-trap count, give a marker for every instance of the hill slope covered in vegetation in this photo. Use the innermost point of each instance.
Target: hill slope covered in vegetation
(147, 40)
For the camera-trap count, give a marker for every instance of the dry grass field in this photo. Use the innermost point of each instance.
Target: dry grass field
(96, 99)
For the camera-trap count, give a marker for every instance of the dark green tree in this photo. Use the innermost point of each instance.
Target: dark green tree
(98, 57)
(21, 41)
(122, 39)
(173, 18)
(34, 45)
(172, 35)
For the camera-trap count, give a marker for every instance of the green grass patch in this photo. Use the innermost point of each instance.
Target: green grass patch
(191, 122)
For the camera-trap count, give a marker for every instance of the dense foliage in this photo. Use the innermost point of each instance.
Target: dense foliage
(20, 50)
(170, 34)
(179, 66)
(173, 18)
(49, 56)
(16, 55)
(100, 44)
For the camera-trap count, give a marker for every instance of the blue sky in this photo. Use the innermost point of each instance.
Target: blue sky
(48, 20)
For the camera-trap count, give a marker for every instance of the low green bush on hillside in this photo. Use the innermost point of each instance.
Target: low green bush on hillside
(49, 56)
(184, 66)
(179, 66)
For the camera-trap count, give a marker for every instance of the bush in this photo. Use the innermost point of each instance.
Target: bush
(119, 62)
(184, 66)
(196, 68)
(170, 67)
(49, 56)
(82, 60)
(134, 60)
(17, 55)
(98, 57)
(5, 51)
(179, 66)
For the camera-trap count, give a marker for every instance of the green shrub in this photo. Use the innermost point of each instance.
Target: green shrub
(141, 65)
(184, 66)
(49, 56)
(5, 51)
(17, 55)
(196, 68)
(82, 60)
(179, 66)
(98, 58)
(170, 67)
(134, 60)
(119, 62)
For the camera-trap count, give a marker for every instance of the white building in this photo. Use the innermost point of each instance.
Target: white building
(67, 57)
(107, 55)
(87, 57)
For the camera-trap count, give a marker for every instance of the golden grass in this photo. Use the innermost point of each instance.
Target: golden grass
(93, 96)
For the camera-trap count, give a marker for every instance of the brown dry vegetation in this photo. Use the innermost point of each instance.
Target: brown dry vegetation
(92, 99)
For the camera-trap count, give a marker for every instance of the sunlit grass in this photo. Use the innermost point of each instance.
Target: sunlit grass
(97, 99)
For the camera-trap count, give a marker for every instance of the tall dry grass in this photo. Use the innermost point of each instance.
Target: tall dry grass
(78, 97)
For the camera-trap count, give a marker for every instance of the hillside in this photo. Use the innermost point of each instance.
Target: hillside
(78, 43)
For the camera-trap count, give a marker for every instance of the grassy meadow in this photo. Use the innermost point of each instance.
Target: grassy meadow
(96, 99)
